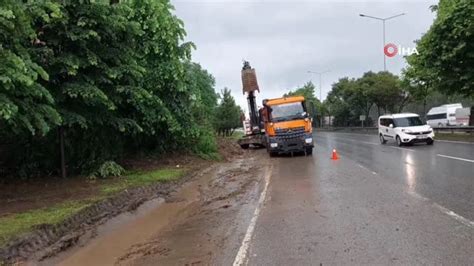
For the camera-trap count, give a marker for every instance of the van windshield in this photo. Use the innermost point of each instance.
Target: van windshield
(407, 121)
(287, 111)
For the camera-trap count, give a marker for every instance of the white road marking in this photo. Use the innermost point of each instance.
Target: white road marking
(366, 142)
(365, 168)
(347, 133)
(241, 257)
(455, 158)
(418, 196)
(456, 216)
(360, 141)
(371, 135)
(398, 148)
(446, 211)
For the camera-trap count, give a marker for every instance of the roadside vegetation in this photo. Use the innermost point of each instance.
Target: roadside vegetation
(85, 84)
(441, 73)
(84, 87)
(15, 224)
(455, 137)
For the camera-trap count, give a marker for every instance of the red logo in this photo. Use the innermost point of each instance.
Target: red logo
(390, 50)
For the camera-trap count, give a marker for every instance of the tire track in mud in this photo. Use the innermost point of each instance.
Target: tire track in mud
(202, 222)
(209, 233)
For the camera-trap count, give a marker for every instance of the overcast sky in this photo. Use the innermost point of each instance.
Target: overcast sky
(284, 39)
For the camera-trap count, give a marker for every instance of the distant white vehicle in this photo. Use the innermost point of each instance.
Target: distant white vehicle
(442, 116)
(405, 128)
(462, 116)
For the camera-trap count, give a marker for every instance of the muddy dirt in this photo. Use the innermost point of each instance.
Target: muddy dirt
(200, 224)
(20, 196)
(214, 188)
(228, 148)
(23, 196)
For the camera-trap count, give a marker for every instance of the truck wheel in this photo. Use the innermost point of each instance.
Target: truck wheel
(309, 151)
(273, 154)
(430, 142)
(244, 146)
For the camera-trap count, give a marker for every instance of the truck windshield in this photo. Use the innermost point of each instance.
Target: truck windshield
(287, 111)
(407, 121)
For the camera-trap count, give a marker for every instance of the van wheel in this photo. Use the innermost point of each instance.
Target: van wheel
(382, 139)
(399, 142)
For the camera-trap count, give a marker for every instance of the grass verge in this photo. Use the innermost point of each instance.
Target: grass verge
(142, 178)
(454, 137)
(236, 135)
(20, 223)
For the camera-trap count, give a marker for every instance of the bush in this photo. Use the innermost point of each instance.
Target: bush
(206, 146)
(109, 168)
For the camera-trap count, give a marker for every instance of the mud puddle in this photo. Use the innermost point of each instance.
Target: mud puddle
(199, 224)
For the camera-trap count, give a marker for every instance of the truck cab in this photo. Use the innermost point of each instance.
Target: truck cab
(287, 126)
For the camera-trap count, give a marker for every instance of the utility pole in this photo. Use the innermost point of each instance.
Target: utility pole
(383, 34)
(320, 74)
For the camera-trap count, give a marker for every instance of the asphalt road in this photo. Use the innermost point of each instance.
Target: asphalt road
(378, 204)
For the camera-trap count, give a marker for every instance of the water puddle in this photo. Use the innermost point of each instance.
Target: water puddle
(116, 236)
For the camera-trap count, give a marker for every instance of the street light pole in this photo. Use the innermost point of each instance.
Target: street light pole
(384, 57)
(383, 33)
(320, 74)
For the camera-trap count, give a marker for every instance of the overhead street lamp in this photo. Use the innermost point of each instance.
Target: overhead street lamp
(320, 87)
(383, 23)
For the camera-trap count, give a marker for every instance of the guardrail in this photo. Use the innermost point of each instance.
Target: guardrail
(452, 130)
(374, 130)
(349, 129)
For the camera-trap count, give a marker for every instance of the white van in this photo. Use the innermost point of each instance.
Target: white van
(442, 116)
(406, 128)
(462, 116)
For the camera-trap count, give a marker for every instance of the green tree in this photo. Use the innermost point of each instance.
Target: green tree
(445, 59)
(350, 98)
(228, 114)
(113, 76)
(418, 88)
(384, 90)
(26, 106)
(336, 102)
(204, 104)
(314, 106)
(347, 101)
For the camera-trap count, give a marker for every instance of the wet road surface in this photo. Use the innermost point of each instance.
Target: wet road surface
(378, 204)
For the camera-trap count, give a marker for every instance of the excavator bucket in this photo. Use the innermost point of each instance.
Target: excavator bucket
(249, 80)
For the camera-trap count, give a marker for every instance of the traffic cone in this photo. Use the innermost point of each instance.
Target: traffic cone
(334, 155)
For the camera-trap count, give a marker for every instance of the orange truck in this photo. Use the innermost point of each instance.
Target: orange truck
(282, 125)
(287, 124)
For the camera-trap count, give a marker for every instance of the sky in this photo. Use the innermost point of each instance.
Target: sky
(283, 40)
